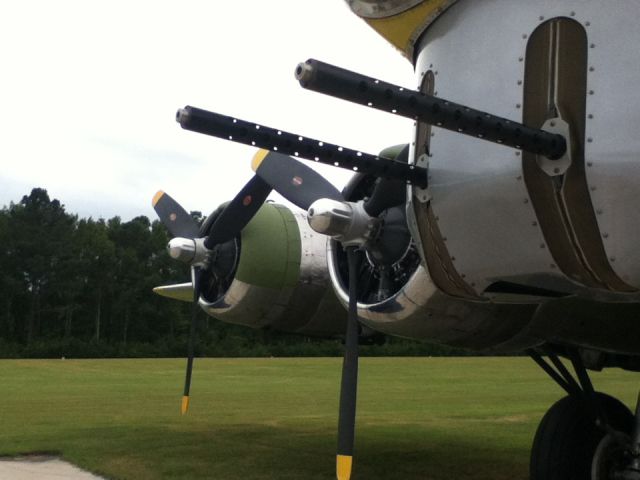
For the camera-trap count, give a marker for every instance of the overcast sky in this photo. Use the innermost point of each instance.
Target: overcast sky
(89, 92)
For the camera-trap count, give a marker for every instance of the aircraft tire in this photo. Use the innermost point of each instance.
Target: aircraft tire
(567, 438)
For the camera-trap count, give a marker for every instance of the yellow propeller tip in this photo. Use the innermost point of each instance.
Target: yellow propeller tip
(258, 158)
(157, 197)
(185, 405)
(343, 467)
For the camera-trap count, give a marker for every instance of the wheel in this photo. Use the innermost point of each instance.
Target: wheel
(567, 437)
(612, 458)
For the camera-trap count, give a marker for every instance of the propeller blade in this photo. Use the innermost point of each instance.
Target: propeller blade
(349, 386)
(292, 179)
(173, 216)
(197, 273)
(238, 212)
(388, 192)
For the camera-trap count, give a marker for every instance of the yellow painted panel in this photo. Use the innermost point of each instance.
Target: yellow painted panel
(403, 30)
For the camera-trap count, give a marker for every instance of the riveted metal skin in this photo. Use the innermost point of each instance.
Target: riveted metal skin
(612, 148)
(478, 195)
(281, 280)
(419, 309)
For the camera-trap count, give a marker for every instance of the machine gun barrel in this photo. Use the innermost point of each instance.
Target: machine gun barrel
(354, 87)
(241, 131)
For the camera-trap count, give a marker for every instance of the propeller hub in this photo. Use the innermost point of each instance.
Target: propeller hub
(346, 222)
(188, 250)
(183, 249)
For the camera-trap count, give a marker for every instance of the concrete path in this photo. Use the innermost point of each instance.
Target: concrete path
(40, 467)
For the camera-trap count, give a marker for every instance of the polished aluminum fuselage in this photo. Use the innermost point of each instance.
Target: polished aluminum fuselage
(478, 51)
(516, 250)
(493, 217)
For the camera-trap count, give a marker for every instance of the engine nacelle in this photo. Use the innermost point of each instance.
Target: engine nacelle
(274, 275)
(401, 299)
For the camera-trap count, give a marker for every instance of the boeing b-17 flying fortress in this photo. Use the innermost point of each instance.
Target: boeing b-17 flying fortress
(506, 223)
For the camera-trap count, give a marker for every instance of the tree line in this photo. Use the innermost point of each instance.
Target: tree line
(79, 287)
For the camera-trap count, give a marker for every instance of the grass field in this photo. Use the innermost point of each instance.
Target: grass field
(418, 418)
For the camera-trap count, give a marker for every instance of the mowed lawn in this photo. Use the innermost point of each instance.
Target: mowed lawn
(418, 418)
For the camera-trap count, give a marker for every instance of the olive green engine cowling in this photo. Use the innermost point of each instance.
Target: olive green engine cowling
(270, 249)
(281, 280)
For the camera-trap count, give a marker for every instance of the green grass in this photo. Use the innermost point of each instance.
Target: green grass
(418, 418)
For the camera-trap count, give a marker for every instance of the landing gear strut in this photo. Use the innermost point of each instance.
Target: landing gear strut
(618, 455)
(586, 435)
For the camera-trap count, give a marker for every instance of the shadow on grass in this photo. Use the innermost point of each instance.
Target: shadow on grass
(275, 452)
